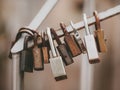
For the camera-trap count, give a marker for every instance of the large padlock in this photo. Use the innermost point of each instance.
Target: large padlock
(90, 44)
(37, 54)
(67, 58)
(70, 42)
(99, 35)
(78, 39)
(56, 62)
(26, 57)
(45, 50)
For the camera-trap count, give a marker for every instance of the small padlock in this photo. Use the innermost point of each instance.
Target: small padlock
(56, 62)
(62, 49)
(70, 42)
(99, 35)
(90, 44)
(45, 50)
(78, 39)
(26, 57)
(37, 54)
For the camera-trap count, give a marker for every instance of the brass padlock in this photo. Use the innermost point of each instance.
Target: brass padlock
(37, 54)
(62, 49)
(45, 50)
(78, 39)
(99, 35)
(70, 42)
(90, 44)
(26, 57)
(56, 62)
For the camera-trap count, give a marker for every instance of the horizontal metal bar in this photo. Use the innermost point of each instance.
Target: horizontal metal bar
(102, 16)
(80, 25)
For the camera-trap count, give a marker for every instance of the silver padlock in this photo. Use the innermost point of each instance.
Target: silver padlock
(78, 39)
(56, 62)
(90, 44)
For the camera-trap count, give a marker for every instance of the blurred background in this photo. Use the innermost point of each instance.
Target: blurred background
(103, 76)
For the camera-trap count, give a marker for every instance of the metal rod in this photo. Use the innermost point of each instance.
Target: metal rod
(35, 23)
(17, 76)
(42, 14)
(80, 25)
(91, 20)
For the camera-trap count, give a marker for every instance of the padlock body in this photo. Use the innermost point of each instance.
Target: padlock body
(99, 37)
(72, 46)
(80, 44)
(66, 57)
(45, 54)
(58, 69)
(91, 49)
(26, 60)
(38, 62)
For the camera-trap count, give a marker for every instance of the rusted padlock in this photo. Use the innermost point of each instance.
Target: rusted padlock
(99, 35)
(70, 42)
(37, 54)
(45, 50)
(78, 39)
(62, 49)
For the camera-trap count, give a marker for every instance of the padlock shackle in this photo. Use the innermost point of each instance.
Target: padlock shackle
(23, 30)
(26, 42)
(97, 23)
(63, 27)
(56, 36)
(43, 39)
(73, 27)
(51, 42)
(86, 24)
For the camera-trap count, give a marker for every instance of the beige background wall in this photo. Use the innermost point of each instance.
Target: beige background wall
(17, 13)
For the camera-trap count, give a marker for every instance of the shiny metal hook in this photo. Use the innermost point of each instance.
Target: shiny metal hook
(77, 35)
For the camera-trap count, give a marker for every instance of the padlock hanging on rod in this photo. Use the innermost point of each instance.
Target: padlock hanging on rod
(26, 56)
(37, 54)
(67, 58)
(78, 39)
(99, 35)
(56, 62)
(45, 50)
(70, 42)
(92, 52)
